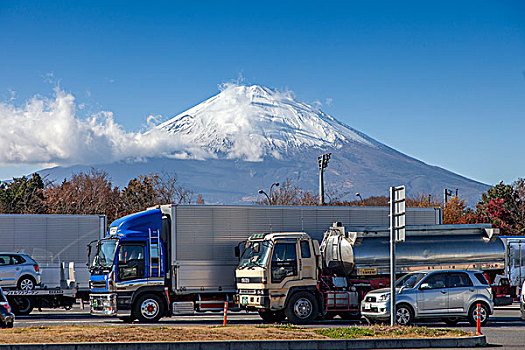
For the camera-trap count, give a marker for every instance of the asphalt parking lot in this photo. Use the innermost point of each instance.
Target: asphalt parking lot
(505, 328)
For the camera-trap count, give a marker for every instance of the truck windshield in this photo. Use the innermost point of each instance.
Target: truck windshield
(255, 254)
(410, 280)
(105, 253)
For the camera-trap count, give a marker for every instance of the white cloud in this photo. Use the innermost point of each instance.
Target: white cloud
(49, 132)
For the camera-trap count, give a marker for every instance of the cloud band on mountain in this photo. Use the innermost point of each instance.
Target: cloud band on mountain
(49, 131)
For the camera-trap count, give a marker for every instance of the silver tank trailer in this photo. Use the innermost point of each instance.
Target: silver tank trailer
(336, 250)
(367, 251)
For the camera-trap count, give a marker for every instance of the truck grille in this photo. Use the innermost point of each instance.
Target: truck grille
(98, 284)
(246, 291)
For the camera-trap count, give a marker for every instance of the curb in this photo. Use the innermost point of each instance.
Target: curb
(313, 344)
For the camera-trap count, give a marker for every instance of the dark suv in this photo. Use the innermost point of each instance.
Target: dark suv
(7, 318)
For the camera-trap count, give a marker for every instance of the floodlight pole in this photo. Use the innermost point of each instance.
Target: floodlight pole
(323, 163)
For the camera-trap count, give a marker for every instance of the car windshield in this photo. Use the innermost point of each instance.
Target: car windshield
(105, 253)
(255, 253)
(410, 280)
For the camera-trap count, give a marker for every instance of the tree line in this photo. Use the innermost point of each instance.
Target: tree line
(502, 205)
(93, 193)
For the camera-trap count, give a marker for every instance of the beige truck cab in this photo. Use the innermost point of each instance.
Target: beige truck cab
(278, 276)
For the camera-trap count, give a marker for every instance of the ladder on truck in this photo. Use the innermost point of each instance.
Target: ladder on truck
(154, 253)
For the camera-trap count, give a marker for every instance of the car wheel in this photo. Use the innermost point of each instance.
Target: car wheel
(404, 315)
(272, 316)
(451, 321)
(10, 325)
(26, 283)
(149, 308)
(301, 308)
(472, 314)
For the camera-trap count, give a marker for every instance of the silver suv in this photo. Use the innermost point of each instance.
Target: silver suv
(18, 271)
(449, 295)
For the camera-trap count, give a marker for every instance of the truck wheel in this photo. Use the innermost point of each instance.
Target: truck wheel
(22, 306)
(272, 316)
(149, 308)
(301, 308)
(404, 315)
(26, 283)
(472, 314)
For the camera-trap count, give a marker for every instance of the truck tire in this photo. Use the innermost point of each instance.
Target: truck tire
(472, 314)
(26, 283)
(22, 306)
(272, 316)
(149, 308)
(301, 308)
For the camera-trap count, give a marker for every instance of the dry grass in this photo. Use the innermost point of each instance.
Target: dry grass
(126, 334)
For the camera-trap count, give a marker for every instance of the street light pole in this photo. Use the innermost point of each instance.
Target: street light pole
(361, 198)
(269, 197)
(323, 163)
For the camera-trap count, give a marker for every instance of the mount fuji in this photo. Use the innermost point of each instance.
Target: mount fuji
(247, 137)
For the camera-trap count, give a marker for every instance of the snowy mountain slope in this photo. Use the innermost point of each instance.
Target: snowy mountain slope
(253, 122)
(248, 137)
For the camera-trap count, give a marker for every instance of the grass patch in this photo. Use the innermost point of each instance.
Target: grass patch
(134, 333)
(390, 332)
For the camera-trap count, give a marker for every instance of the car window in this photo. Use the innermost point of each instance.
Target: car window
(4, 260)
(479, 276)
(458, 279)
(17, 259)
(437, 280)
(410, 280)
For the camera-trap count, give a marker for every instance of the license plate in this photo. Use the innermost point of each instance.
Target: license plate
(367, 306)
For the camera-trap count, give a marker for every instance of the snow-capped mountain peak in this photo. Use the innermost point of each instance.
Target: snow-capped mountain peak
(254, 122)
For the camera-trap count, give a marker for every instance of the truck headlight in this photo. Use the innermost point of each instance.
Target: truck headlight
(384, 297)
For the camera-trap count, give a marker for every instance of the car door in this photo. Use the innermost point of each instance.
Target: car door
(460, 289)
(432, 295)
(7, 271)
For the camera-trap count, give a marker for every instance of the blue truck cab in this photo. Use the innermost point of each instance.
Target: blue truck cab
(128, 271)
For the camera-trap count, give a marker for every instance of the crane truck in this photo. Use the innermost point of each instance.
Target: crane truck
(290, 275)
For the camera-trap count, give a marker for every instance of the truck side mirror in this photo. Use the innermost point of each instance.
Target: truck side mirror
(424, 286)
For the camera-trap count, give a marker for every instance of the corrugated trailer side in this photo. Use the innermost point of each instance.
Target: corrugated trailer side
(51, 240)
(204, 237)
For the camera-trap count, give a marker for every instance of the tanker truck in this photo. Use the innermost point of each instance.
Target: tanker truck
(290, 275)
(179, 259)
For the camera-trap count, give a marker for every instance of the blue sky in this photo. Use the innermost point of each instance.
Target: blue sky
(442, 81)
